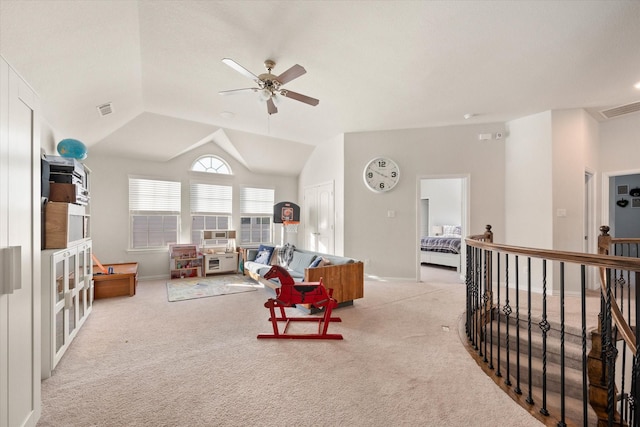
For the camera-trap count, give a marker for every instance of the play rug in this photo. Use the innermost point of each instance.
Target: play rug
(209, 287)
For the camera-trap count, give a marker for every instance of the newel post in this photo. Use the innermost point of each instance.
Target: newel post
(604, 240)
(488, 234)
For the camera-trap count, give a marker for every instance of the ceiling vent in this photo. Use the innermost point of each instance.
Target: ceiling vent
(621, 110)
(105, 109)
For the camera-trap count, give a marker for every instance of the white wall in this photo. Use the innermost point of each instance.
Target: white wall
(326, 164)
(573, 134)
(110, 198)
(445, 201)
(547, 155)
(389, 243)
(528, 182)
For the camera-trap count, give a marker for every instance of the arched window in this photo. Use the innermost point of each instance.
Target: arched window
(211, 164)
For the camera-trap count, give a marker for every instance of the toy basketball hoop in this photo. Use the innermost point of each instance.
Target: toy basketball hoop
(290, 226)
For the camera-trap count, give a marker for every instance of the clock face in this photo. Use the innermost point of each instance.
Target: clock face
(381, 174)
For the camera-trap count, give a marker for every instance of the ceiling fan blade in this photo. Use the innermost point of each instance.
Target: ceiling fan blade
(271, 107)
(234, 91)
(239, 68)
(299, 97)
(292, 73)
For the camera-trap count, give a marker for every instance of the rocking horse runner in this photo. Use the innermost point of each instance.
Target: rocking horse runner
(291, 293)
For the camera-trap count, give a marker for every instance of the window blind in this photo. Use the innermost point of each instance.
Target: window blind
(256, 201)
(211, 199)
(148, 195)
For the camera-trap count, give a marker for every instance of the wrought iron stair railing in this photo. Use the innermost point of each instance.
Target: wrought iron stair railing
(550, 340)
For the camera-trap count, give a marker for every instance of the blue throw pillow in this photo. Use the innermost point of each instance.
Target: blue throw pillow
(315, 262)
(264, 254)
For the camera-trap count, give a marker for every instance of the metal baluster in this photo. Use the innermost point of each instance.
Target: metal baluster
(562, 422)
(610, 353)
(517, 389)
(473, 302)
(583, 302)
(529, 399)
(467, 283)
(623, 407)
(483, 308)
(498, 372)
(489, 303)
(635, 371)
(544, 326)
(507, 313)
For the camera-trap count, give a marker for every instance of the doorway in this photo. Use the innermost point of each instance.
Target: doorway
(589, 225)
(616, 216)
(442, 201)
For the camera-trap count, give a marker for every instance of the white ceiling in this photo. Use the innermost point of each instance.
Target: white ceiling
(373, 65)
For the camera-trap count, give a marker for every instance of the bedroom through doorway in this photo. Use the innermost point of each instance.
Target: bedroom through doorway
(442, 223)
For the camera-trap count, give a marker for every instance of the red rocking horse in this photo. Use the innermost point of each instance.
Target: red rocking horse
(291, 293)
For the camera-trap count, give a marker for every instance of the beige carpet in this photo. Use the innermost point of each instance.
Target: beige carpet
(143, 361)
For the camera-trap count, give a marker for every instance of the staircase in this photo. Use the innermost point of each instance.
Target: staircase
(540, 389)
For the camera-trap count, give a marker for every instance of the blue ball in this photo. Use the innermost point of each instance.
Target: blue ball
(72, 148)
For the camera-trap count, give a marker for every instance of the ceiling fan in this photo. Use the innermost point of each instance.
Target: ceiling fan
(269, 85)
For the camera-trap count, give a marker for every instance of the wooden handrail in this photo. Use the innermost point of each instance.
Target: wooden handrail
(623, 327)
(605, 261)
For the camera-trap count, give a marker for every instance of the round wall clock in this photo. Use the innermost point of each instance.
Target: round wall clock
(381, 174)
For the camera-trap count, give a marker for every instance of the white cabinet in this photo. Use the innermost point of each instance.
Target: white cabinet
(226, 262)
(19, 251)
(67, 299)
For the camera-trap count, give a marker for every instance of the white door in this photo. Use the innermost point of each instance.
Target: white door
(19, 227)
(319, 218)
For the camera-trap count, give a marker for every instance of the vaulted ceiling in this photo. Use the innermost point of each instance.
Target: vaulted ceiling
(373, 65)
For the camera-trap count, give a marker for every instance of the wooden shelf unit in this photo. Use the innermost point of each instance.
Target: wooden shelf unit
(184, 261)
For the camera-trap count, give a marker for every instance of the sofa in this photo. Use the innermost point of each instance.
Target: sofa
(342, 274)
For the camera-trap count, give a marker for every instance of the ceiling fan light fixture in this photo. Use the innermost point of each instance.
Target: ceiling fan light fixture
(265, 95)
(269, 86)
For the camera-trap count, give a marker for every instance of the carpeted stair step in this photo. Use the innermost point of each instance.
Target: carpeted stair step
(573, 355)
(572, 344)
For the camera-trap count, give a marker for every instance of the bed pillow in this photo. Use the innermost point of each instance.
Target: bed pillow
(451, 230)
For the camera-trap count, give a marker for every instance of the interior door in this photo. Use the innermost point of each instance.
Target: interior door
(319, 218)
(19, 330)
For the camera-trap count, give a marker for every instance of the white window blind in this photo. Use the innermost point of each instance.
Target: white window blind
(255, 201)
(211, 199)
(154, 209)
(148, 195)
(256, 208)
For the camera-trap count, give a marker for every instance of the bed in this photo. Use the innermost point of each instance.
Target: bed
(442, 250)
